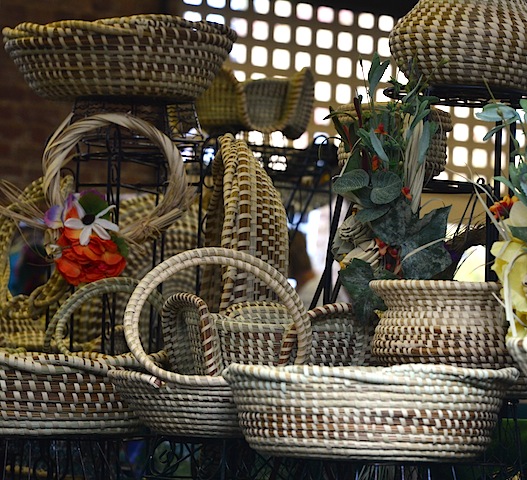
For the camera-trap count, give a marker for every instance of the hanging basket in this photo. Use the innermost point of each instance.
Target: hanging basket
(483, 42)
(160, 56)
(443, 322)
(403, 413)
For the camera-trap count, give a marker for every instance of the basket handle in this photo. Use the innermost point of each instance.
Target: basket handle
(212, 256)
(177, 196)
(58, 325)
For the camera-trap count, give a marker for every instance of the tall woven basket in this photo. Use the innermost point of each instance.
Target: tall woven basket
(443, 322)
(191, 397)
(482, 41)
(161, 56)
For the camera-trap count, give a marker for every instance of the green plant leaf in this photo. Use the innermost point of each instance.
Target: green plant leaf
(376, 72)
(356, 278)
(369, 214)
(386, 187)
(377, 147)
(93, 203)
(424, 143)
(498, 112)
(351, 181)
(519, 232)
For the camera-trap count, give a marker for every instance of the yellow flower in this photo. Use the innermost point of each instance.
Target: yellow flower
(511, 261)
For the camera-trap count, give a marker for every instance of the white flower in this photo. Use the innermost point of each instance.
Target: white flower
(90, 223)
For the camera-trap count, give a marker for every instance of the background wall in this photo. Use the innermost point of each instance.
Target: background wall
(26, 120)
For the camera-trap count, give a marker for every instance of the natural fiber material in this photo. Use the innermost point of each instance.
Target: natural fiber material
(159, 56)
(66, 393)
(245, 213)
(517, 347)
(177, 196)
(192, 398)
(266, 104)
(482, 41)
(404, 413)
(444, 322)
(436, 156)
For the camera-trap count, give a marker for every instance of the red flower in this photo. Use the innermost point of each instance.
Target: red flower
(87, 263)
(391, 257)
(375, 163)
(406, 192)
(502, 208)
(380, 129)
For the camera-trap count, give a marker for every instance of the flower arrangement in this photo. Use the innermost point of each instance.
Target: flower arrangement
(509, 215)
(385, 236)
(83, 241)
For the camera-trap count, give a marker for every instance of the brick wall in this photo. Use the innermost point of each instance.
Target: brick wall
(26, 120)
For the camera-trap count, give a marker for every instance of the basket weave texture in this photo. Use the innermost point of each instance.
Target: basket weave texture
(245, 213)
(192, 397)
(159, 56)
(266, 104)
(443, 322)
(22, 319)
(67, 393)
(411, 412)
(482, 41)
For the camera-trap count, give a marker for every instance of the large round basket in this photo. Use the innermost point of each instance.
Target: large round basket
(464, 42)
(442, 322)
(158, 56)
(406, 413)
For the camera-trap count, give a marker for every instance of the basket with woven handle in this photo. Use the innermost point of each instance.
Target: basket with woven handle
(192, 398)
(156, 217)
(68, 393)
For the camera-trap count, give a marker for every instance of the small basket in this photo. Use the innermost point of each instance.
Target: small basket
(160, 56)
(67, 394)
(484, 43)
(265, 105)
(193, 398)
(404, 413)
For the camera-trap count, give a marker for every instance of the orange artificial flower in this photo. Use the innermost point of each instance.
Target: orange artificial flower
(88, 263)
(502, 208)
(375, 163)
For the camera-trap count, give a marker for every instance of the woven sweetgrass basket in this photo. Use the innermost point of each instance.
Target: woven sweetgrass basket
(68, 393)
(443, 322)
(192, 398)
(152, 55)
(412, 412)
(483, 41)
(22, 317)
(265, 105)
(245, 213)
